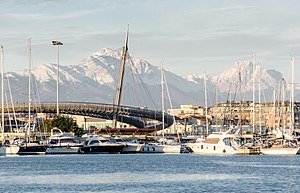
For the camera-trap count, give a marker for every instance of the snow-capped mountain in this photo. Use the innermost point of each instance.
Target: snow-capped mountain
(94, 79)
(240, 79)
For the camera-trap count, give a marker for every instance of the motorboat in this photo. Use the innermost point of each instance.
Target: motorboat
(96, 144)
(163, 145)
(31, 148)
(217, 143)
(62, 143)
(131, 145)
(161, 148)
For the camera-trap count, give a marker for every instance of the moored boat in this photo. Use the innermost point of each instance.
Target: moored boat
(217, 143)
(280, 151)
(95, 144)
(62, 143)
(130, 145)
(161, 148)
(9, 150)
(31, 149)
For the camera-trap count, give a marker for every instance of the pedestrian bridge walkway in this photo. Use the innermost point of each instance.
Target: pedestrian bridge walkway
(138, 117)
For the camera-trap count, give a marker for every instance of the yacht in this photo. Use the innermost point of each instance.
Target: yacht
(281, 147)
(130, 145)
(217, 143)
(96, 144)
(62, 143)
(163, 145)
(31, 148)
(161, 148)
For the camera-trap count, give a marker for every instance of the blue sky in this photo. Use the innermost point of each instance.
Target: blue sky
(192, 36)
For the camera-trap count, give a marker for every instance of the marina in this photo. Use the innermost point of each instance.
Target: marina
(233, 140)
(149, 96)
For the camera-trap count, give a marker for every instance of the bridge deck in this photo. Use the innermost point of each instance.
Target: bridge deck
(132, 115)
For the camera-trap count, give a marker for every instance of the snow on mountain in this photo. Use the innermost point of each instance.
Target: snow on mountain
(94, 79)
(243, 74)
(247, 73)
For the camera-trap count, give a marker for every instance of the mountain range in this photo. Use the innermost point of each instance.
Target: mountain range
(94, 79)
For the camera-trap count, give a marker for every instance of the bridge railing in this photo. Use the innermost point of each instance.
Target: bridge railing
(93, 109)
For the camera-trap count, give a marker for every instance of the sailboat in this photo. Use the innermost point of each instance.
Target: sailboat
(162, 147)
(5, 148)
(285, 146)
(27, 147)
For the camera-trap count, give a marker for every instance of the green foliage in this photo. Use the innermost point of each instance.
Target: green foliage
(64, 123)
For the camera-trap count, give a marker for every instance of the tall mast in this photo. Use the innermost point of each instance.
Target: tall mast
(2, 92)
(205, 92)
(274, 110)
(170, 101)
(259, 99)
(240, 85)
(293, 96)
(253, 90)
(121, 75)
(29, 84)
(283, 112)
(217, 92)
(162, 102)
(230, 105)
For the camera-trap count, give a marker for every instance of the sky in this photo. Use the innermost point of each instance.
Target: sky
(192, 36)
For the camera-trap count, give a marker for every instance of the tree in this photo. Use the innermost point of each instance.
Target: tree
(64, 123)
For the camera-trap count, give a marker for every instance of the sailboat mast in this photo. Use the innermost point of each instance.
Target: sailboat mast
(274, 110)
(259, 98)
(29, 85)
(240, 85)
(293, 96)
(162, 102)
(170, 101)
(2, 92)
(121, 75)
(205, 92)
(283, 112)
(253, 90)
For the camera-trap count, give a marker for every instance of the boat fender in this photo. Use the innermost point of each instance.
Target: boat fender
(224, 151)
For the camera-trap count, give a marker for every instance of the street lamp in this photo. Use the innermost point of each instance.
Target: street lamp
(57, 44)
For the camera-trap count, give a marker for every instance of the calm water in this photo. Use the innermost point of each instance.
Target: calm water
(149, 173)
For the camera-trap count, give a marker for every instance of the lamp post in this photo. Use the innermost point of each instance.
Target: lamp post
(57, 44)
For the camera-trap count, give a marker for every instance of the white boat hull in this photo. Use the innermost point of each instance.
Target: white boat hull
(62, 150)
(132, 148)
(212, 149)
(280, 151)
(158, 148)
(9, 150)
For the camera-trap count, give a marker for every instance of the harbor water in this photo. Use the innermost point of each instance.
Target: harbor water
(149, 173)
